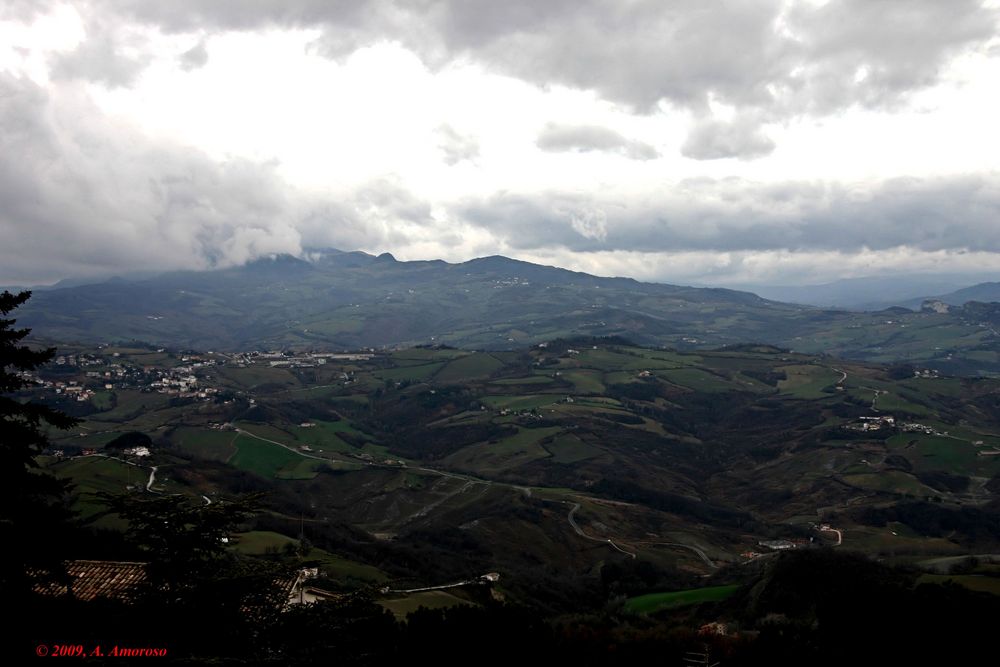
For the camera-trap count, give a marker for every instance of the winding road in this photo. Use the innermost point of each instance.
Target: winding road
(469, 481)
(579, 531)
(152, 472)
(291, 449)
(840, 535)
(489, 577)
(701, 554)
(875, 398)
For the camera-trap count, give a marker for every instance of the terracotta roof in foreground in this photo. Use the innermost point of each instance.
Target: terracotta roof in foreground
(94, 579)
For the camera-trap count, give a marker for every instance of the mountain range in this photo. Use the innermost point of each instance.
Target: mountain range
(341, 300)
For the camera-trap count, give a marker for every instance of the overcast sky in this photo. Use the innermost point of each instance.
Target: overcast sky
(730, 142)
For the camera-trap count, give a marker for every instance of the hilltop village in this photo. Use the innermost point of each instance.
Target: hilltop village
(82, 377)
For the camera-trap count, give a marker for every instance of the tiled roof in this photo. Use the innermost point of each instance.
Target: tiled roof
(119, 580)
(99, 578)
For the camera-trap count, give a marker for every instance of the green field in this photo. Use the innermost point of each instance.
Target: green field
(264, 542)
(103, 400)
(568, 448)
(261, 542)
(696, 379)
(516, 450)
(530, 379)
(324, 435)
(304, 469)
(83, 439)
(808, 381)
(893, 401)
(585, 381)
(262, 458)
(205, 444)
(269, 431)
(476, 365)
(933, 452)
(131, 404)
(983, 584)
(258, 375)
(342, 568)
(893, 481)
(942, 386)
(654, 602)
(413, 373)
(96, 474)
(527, 402)
(423, 355)
(402, 606)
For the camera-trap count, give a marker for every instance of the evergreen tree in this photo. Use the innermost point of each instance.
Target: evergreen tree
(196, 584)
(35, 519)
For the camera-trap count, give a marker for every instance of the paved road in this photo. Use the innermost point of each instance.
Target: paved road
(467, 582)
(840, 535)
(152, 473)
(701, 554)
(469, 481)
(291, 449)
(875, 398)
(579, 531)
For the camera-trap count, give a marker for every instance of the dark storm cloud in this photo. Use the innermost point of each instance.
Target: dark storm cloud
(80, 190)
(749, 53)
(585, 138)
(772, 59)
(82, 196)
(734, 215)
(874, 53)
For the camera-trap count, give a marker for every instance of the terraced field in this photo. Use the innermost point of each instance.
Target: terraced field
(578, 453)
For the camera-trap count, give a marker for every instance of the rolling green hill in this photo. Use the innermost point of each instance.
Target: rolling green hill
(567, 456)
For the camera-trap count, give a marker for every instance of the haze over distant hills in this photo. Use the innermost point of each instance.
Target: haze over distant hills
(352, 299)
(877, 292)
(987, 292)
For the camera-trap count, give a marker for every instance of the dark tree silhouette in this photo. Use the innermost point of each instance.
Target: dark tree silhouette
(195, 583)
(35, 519)
(183, 540)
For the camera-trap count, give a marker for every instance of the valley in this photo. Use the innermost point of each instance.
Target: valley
(421, 466)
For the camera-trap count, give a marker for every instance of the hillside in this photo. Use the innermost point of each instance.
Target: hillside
(429, 465)
(581, 485)
(984, 292)
(340, 300)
